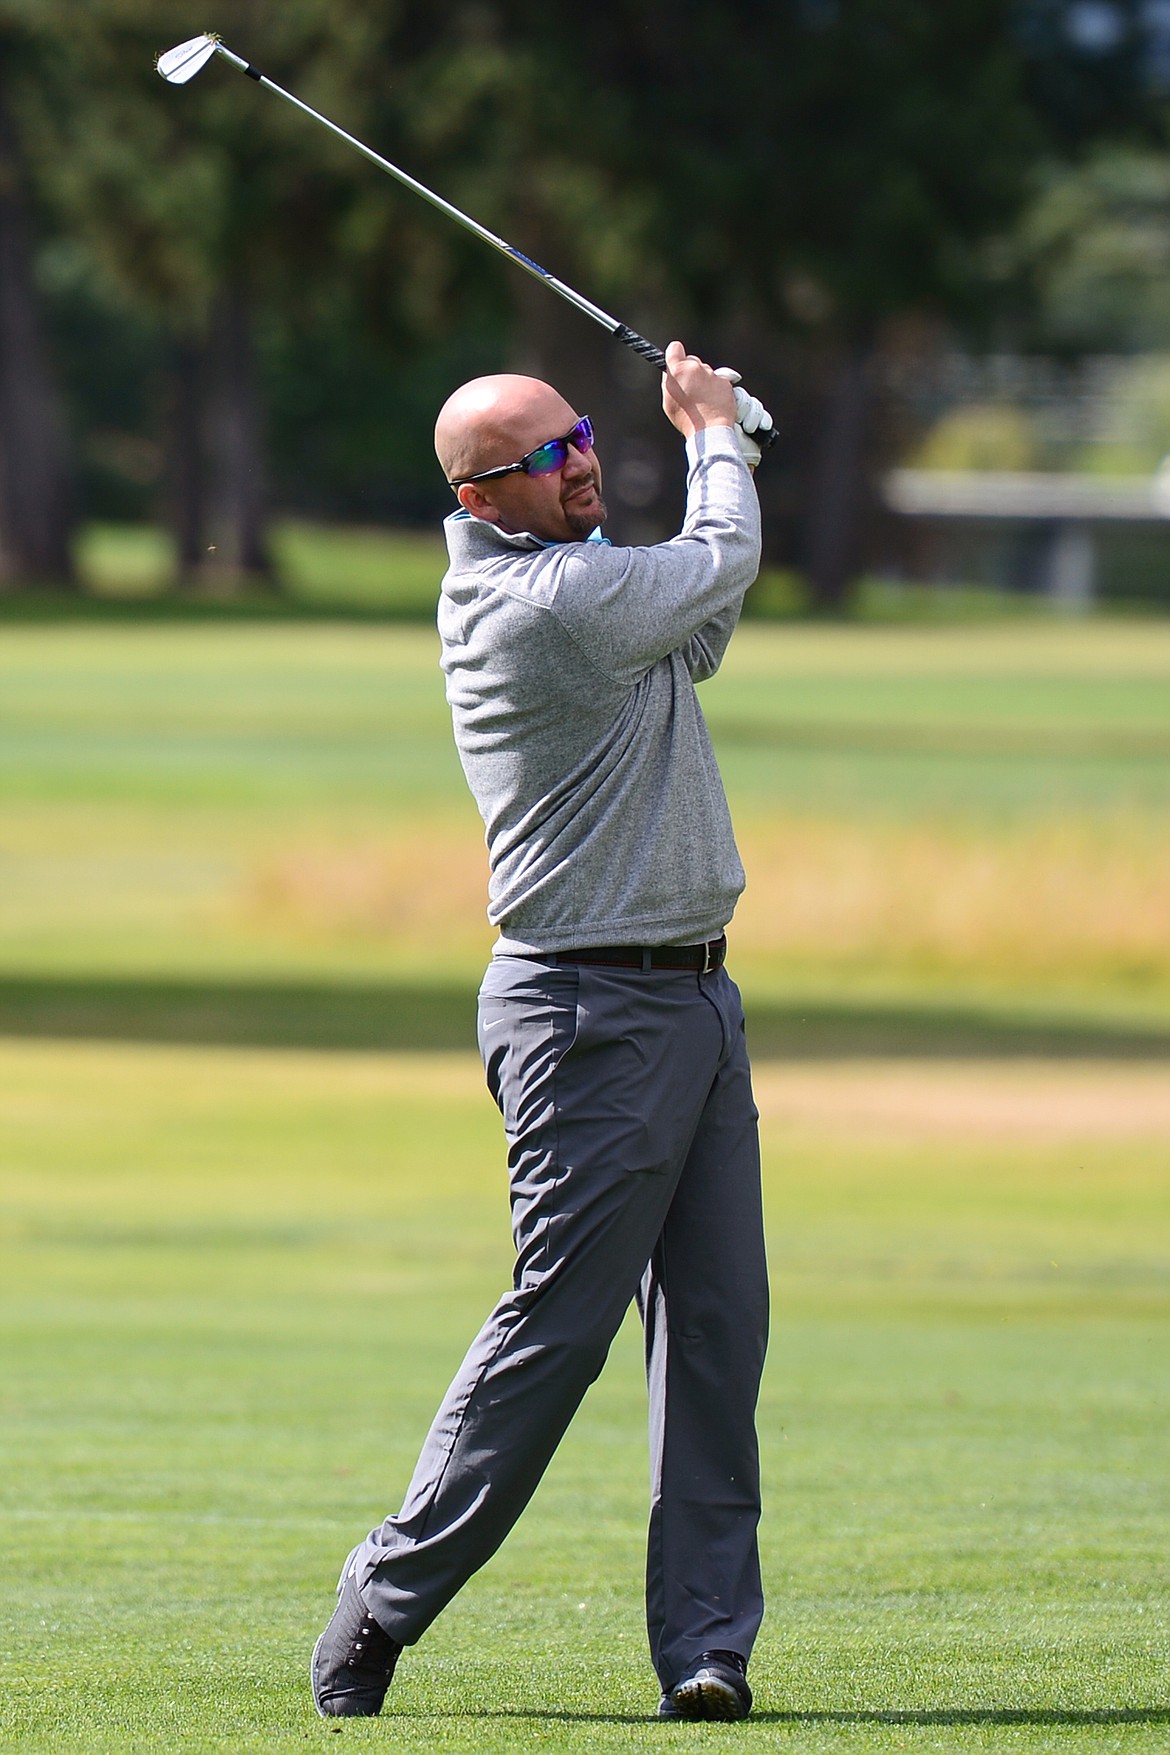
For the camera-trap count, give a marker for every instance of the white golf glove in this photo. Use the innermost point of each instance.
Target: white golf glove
(750, 416)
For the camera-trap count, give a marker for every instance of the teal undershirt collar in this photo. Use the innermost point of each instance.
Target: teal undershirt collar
(594, 535)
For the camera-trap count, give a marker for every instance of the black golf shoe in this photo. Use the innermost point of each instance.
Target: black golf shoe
(353, 1661)
(715, 1686)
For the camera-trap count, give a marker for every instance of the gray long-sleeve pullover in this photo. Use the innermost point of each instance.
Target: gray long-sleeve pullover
(570, 674)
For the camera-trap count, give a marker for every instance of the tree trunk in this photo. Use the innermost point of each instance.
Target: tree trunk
(836, 491)
(186, 475)
(238, 551)
(36, 499)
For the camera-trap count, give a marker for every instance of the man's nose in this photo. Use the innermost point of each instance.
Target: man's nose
(577, 462)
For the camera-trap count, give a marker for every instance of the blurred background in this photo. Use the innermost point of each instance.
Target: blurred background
(934, 239)
(251, 1187)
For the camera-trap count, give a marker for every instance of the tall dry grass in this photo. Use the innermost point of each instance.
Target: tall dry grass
(424, 886)
(1065, 901)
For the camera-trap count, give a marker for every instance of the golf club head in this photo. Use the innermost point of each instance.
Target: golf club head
(183, 62)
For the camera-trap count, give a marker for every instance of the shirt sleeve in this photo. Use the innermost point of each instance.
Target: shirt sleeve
(703, 652)
(626, 608)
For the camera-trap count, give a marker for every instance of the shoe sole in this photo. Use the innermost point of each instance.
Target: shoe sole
(321, 1713)
(708, 1698)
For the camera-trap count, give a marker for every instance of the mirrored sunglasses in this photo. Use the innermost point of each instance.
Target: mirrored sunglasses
(545, 460)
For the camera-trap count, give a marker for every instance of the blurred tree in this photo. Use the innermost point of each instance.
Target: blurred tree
(790, 180)
(808, 186)
(1093, 69)
(187, 226)
(1135, 438)
(226, 217)
(980, 436)
(1095, 245)
(493, 113)
(798, 185)
(36, 500)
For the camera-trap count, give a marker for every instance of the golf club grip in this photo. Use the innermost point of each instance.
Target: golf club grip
(765, 437)
(631, 338)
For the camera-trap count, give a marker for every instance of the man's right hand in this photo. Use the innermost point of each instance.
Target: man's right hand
(693, 395)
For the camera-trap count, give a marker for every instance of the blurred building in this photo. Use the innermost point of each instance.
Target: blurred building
(1035, 475)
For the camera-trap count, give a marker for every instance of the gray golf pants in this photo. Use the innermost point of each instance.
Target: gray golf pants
(634, 1174)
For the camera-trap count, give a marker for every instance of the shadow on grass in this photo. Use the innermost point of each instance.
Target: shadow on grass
(404, 1016)
(926, 1717)
(981, 1715)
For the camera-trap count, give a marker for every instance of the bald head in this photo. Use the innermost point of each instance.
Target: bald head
(495, 420)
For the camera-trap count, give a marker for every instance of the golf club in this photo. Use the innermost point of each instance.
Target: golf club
(182, 63)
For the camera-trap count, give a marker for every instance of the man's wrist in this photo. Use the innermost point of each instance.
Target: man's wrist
(707, 435)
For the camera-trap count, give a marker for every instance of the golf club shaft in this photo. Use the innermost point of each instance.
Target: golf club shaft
(620, 331)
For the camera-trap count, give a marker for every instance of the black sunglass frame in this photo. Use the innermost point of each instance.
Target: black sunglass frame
(524, 467)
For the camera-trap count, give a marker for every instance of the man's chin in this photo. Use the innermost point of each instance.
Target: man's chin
(584, 521)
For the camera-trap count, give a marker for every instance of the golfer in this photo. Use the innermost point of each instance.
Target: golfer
(612, 1038)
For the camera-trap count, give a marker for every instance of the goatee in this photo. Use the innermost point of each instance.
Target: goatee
(582, 523)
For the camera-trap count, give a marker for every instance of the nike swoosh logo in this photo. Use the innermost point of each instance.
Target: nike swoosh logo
(493, 1024)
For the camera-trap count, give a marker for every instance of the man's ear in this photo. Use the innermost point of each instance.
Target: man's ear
(477, 503)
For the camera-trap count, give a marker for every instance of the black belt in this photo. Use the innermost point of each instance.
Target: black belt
(704, 958)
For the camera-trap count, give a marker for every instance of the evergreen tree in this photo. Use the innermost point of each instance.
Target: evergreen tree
(36, 498)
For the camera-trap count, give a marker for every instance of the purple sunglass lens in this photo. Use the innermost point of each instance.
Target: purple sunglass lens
(551, 457)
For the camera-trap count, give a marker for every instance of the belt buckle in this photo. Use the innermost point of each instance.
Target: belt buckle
(708, 959)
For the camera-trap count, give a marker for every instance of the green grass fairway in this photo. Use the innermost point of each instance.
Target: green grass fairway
(969, 825)
(252, 1198)
(233, 1284)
